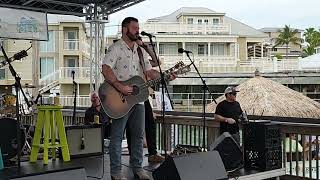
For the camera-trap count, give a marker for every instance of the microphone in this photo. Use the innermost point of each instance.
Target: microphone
(82, 146)
(72, 73)
(181, 50)
(147, 34)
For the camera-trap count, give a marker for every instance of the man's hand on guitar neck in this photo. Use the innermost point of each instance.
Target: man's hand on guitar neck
(124, 89)
(173, 76)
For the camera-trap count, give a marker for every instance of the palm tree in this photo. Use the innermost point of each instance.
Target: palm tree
(309, 50)
(308, 34)
(286, 36)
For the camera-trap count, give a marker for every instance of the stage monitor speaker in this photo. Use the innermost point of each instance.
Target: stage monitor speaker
(195, 166)
(229, 151)
(74, 173)
(90, 144)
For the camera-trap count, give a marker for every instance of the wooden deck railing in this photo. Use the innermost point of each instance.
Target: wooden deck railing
(187, 128)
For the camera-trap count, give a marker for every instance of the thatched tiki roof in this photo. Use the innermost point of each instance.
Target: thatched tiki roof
(261, 96)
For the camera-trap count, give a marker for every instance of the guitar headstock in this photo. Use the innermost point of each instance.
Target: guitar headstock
(183, 69)
(176, 66)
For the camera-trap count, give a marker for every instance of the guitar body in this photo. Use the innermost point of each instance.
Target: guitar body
(115, 104)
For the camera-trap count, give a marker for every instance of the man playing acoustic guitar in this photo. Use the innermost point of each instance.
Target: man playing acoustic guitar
(120, 64)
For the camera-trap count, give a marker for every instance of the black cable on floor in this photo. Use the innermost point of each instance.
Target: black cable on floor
(102, 170)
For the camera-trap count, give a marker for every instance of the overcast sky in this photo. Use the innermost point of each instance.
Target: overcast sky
(256, 13)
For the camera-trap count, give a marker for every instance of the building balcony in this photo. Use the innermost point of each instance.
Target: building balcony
(71, 44)
(179, 28)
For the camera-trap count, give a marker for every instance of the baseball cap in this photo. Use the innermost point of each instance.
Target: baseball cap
(230, 89)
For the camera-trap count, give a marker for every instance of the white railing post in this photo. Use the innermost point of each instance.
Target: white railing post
(275, 64)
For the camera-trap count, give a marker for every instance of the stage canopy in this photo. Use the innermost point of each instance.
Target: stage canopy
(69, 7)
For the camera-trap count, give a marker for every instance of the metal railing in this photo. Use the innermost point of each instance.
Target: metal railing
(180, 28)
(71, 44)
(205, 64)
(48, 79)
(80, 72)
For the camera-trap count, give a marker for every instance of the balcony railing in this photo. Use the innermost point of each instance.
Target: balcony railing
(205, 64)
(71, 44)
(80, 72)
(179, 28)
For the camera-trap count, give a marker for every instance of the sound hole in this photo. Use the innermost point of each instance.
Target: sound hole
(135, 90)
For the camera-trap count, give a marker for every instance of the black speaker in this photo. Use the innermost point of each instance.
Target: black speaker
(229, 151)
(72, 173)
(195, 166)
(262, 145)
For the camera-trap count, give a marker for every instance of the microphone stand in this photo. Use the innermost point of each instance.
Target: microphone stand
(205, 89)
(163, 87)
(17, 86)
(75, 89)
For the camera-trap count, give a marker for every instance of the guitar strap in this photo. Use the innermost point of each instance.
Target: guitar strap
(141, 61)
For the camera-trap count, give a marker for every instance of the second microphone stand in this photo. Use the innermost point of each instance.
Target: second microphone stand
(75, 90)
(163, 88)
(205, 89)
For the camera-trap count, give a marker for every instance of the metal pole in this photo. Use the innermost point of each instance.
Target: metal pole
(91, 60)
(35, 67)
(96, 54)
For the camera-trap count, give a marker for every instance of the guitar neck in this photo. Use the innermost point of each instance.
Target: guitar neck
(155, 82)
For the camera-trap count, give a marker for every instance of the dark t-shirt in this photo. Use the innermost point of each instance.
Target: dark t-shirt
(91, 112)
(229, 110)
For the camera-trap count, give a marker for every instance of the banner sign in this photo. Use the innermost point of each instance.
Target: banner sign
(23, 24)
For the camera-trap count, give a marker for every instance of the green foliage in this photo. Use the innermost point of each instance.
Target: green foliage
(278, 56)
(286, 36)
(312, 37)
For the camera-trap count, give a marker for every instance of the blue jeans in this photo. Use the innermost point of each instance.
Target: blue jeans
(135, 119)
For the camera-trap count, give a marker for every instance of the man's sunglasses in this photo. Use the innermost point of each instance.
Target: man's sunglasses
(233, 93)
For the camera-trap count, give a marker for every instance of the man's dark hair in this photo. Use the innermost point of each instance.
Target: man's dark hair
(127, 20)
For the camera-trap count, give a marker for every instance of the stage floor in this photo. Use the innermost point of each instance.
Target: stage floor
(93, 165)
(98, 166)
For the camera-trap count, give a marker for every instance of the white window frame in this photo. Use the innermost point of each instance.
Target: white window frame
(46, 58)
(214, 21)
(189, 20)
(67, 58)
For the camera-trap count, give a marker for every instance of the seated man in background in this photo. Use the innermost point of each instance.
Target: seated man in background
(97, 110)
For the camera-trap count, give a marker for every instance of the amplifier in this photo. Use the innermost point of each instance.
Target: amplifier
(85, 140)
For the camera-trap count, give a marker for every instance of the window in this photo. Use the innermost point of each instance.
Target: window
(199, 21)
(71, 41)
(71, 35)
(274, 49)
(201, 50)
(48, 46)
(215, 21)
(206, 21)
(47, 66)
(168, 48)
(161, 48)
(71, 61)
(190, 21)
(2, 74)
(218, 49)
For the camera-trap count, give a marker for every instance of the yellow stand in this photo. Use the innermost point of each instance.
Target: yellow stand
(49, 117)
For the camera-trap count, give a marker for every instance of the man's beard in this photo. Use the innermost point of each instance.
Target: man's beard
(131, 36)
